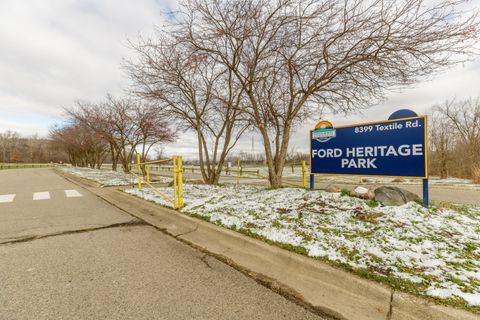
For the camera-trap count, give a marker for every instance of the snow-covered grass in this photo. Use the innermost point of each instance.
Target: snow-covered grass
(107, 177)
(433, 253)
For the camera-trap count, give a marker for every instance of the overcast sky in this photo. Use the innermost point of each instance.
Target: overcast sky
(53, 52)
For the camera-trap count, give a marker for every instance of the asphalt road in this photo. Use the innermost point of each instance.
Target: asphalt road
(66, 254)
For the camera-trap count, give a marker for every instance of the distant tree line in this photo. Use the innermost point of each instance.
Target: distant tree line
(17, 149)
(454, 137)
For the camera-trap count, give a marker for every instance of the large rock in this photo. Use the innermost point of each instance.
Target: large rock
(333, 188)
(363, 192)
(393, 196)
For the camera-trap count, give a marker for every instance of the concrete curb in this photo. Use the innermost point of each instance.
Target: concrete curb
(332, 292)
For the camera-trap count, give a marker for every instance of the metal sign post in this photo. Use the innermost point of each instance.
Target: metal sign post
(425, 193)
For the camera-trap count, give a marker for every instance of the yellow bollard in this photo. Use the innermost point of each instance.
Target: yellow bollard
(304, 173)
(139, 172)
(180, 182)
(175, 194)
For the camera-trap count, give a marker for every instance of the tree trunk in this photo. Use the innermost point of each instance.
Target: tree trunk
(275, 180)
(114, 157)
(276, 162)
(443, 168)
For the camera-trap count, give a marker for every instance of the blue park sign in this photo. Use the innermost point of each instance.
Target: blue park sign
(394, 148)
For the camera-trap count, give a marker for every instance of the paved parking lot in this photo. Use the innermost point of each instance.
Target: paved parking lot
(66, 254)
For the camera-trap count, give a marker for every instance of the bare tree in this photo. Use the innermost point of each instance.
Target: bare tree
(82, 144)
(8, 141)
(126, 125)
(198, 94)
(441, 143)
(100, 118)
(295, 57)
(463, 120)
(152, 128)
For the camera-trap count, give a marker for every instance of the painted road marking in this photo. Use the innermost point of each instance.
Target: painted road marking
(7, 198)
(72, 193)
(4, 198)
(41, 195)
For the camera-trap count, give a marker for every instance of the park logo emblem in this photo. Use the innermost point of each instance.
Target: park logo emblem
(324, 131)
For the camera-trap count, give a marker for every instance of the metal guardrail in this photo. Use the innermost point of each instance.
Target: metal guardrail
(241, 171)
(143, 177)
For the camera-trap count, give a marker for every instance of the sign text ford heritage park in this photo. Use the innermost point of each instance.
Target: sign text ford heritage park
(392, 148)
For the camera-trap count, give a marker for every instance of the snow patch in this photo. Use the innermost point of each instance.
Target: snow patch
(437, 249)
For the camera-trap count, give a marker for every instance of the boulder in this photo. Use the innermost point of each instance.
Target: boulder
(333, 188)
(393, 196)
(197, 181)
(363, 192)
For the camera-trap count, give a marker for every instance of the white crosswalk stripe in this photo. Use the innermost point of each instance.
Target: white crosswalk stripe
(7, 198)
(72, 193)
(45, 195)
(41, 195)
